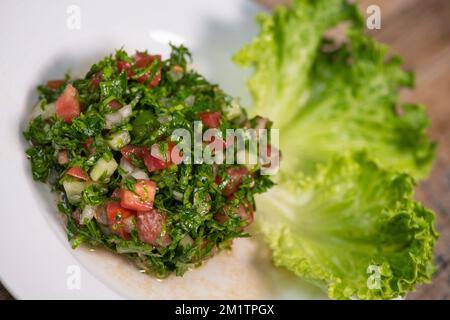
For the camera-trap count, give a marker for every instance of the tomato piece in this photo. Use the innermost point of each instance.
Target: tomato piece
(236, 175)
(155, 160)
(243, 210)
(67, 105)
(154, 164)
(88, 145)
(54, 84)
(150, 227)
(138, 152)
(210, 119)
(124, 66)
(144, 60)
(116, 218)
(96, 79)
(115, 105)
(77, 172)
(141, 199)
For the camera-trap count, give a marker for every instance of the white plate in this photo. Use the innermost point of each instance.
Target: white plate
(37, 45)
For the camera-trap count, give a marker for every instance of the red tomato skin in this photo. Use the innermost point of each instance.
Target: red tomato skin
(142, 198)
(88, 145)
(155, 161)
(77, 172)
(153, 164)
(143, 60)
(244, 211)
(236, 175)
(150, 227)
(96, 79)
(113, 209)
(211, 119)
(139, 152)
(67, 105)
(124, 66)
(115, 105)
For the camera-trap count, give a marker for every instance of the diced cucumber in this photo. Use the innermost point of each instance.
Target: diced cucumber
(73, 190)
(103, 168)
(119, 139)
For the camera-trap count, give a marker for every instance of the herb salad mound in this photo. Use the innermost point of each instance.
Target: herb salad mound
(104, 144)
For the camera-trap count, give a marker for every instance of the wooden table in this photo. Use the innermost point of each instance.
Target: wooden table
(419, 31)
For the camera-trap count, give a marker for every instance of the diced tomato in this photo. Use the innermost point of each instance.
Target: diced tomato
(116, 218)
(96, 79)
(77, 172)
(89, 145)
(150, 226)
(144, 60)
(155, 160)
(67, 105)
(54, 84)
(210, 119)
(138, 152)
(115, 105)
(154, 164)
(141, 199)
(124, 66)
(236, 175)
(244, 211)
(63, 157)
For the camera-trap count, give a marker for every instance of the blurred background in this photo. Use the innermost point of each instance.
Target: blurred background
(419, 31)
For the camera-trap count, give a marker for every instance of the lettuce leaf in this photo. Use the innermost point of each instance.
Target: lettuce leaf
(344, 97)
(352, 228)
(342, 214)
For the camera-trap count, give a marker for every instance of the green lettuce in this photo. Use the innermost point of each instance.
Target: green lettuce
(342, 214)
(326, 97)
(352, 228)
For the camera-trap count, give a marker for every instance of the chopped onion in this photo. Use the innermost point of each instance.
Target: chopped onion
(139, 174)
(126, 165)
(125, 111)
(87, 214)
(63, 156)
(100, 214)
(115, 118)
(190, 100)
(164, 119)
(155, 151)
